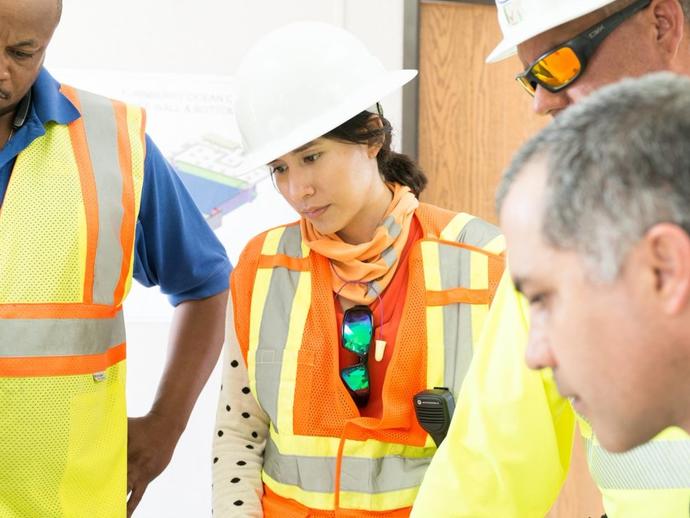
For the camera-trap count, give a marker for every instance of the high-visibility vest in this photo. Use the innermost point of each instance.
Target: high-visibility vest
(650, 480)
(67, 227)
(321, 457)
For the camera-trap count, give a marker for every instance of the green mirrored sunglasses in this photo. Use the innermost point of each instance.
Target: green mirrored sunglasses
(356, 336)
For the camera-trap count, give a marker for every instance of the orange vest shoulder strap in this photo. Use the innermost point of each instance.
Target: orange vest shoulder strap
(433, 219)
(242, 285)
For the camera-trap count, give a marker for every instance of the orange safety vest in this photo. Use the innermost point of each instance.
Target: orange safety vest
(67, 230)
(321, 457)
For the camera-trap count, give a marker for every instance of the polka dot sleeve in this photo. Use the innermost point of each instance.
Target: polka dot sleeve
(239, 438)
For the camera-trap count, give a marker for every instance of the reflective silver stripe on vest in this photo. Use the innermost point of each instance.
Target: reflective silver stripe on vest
(654, 465)
(455, 264)
(457, 318)
(291, 242)
(101, 135)
(478, 232)
(275, 323)
(59, 337)
(317, 474)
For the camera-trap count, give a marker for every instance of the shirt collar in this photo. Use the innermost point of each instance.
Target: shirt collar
(49, 104)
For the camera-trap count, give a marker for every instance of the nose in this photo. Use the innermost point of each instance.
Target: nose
(300, 183)
(538, 354)
(549, 103)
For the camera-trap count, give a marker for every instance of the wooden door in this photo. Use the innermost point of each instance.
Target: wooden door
(472, 118)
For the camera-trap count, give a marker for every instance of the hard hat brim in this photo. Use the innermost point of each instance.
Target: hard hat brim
(508, 46)
(321, 124)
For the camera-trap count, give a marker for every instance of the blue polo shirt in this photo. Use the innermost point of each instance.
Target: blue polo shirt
(175, 249)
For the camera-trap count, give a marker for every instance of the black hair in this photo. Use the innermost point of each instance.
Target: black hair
(394, 167)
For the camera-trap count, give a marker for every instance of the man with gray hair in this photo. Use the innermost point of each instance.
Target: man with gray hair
(596, 214)
(568, 49)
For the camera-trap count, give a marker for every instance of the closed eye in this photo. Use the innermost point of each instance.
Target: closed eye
(20, 54)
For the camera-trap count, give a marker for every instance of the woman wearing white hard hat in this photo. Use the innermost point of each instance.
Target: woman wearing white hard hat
(340, 318)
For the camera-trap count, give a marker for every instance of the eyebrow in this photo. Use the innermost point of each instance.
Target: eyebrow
(298, 150)
(304, 146)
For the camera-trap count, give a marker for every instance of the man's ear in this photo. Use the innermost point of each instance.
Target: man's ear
(670, 24)
(667, 249)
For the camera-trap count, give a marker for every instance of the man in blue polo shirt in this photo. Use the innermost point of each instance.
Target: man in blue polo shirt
(86, 202)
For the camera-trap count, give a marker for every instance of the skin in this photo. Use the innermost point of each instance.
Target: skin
(617, 349)
(196, 339)
(336, 185)
(27, 27)
(656, 38)
(196, 335)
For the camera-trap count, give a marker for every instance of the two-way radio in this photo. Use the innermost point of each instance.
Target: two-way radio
(434, 409)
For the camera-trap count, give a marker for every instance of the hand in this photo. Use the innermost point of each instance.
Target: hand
(151, 441)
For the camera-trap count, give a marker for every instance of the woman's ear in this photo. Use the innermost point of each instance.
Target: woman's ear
(373, 124)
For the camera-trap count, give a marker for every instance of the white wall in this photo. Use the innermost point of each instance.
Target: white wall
(200, 37)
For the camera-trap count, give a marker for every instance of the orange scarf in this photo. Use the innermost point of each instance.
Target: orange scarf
(363, 271)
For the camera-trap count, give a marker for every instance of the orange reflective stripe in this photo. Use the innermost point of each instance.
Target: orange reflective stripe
(299, 264)
(61, 365)
(242, 286)
(71, 310)
(127, 229)
(88, 188)
(458, 296)
(496, 268)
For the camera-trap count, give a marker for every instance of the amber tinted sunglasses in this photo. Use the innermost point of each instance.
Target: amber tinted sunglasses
(563, 64)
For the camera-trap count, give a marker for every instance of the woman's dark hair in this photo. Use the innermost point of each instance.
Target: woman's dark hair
(395, 167)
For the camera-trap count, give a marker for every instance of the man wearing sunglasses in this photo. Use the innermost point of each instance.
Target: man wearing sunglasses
(571, 48)
(568, 49)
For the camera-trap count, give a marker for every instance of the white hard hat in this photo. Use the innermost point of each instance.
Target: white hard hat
(300, 82)
(521, 20)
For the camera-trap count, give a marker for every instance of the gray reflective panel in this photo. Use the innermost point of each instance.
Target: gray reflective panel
(478, 233)
(457, 336)
(392, 227)
(373, 290)
(455, 264)
(389, 256)
(655, 465)
(101, 136)
(60, 337)
(361, 475)
(273, 333)
(291, 242)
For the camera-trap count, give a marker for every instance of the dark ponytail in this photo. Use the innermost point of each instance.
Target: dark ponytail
(394, 167)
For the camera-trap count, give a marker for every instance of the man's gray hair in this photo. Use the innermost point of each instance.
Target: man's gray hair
(617, 163)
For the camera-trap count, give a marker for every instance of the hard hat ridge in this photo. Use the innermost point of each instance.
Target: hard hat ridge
(521, 20)
(301, 81)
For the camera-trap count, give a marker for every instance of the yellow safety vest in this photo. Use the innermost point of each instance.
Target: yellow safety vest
(650, 480)
(67, 227)
(449, 270)
(508, 449)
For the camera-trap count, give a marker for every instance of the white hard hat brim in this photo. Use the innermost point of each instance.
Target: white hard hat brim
(508, 46)
(356, 102)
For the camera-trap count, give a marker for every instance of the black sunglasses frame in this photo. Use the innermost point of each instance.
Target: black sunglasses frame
(360, 397)
(583, 45)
